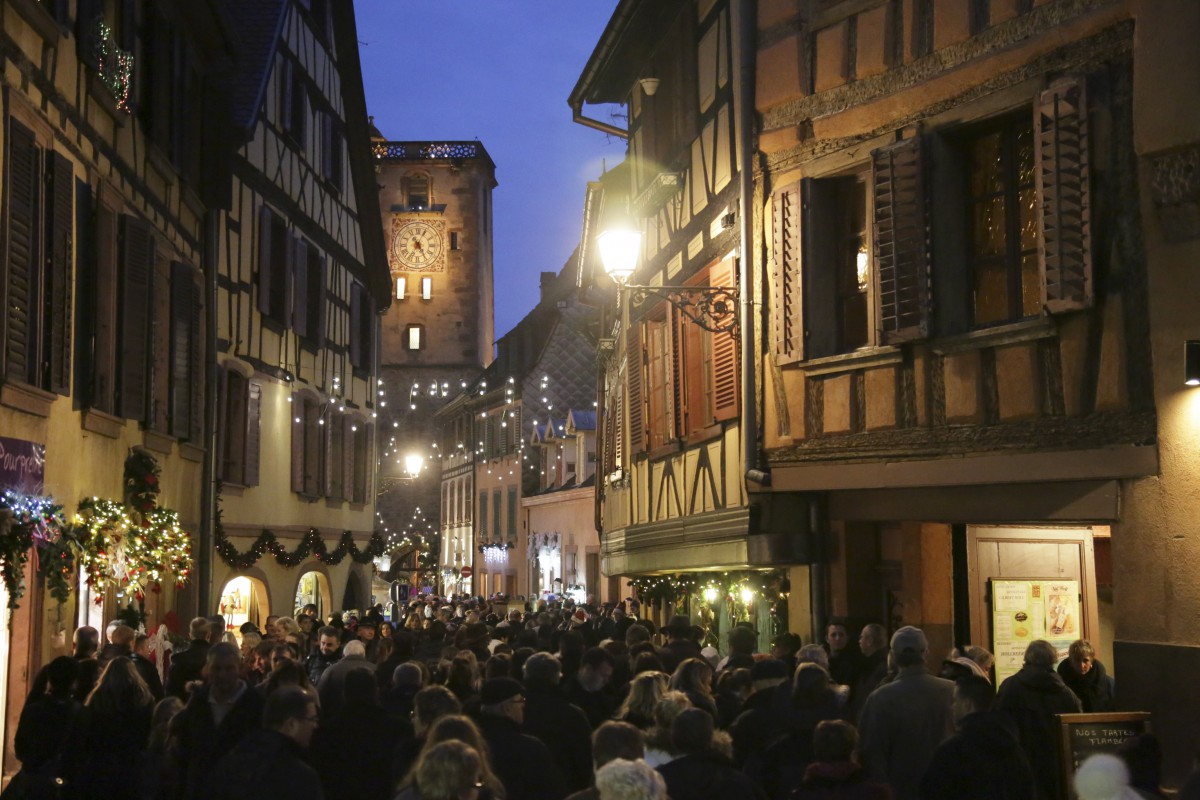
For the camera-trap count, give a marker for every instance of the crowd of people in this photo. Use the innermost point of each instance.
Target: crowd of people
(460, 699)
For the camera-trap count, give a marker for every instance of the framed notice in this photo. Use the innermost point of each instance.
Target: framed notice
(1084, 735)
(1024, 609)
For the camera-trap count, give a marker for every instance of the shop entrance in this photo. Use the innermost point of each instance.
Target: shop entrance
(313, 587)
(244, 599)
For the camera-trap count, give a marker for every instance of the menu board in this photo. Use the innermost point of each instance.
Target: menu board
(1025, 609)
(1085, 735)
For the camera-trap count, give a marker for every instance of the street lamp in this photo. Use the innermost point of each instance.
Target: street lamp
(413, 464)
(713, 308)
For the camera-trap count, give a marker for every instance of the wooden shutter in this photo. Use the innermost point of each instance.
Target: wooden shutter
(265, 250)
(196, 360)
(634, 364)
(1064, 224)
(348, 456)
(298, 264)
(657, 386)
(819, 267)
(483, 514)
(181, 324)
(221, 462)
(253, 432)
(724, 353)
(86, 313)
(901, 241)
(786, 312)
(512, 513)
(356, 313)
(233, 428)
(312, 448)
(316, 297)
(24, 254)
(368, 460)
(137, 265)
(59, 245)
(287, 77)
(497, 531)
(328, 465)
(298, 415)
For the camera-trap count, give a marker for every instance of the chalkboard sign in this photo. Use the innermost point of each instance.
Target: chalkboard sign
(1086, 735)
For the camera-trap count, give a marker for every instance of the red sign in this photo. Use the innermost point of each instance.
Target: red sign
(466, 572)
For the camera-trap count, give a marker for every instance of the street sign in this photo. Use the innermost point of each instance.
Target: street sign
(466, 572)
(399, 592)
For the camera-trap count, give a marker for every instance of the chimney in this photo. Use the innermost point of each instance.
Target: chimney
(547, 283)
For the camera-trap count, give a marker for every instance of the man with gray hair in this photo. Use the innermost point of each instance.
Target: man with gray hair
(903, 722)
(621, 779)
(873, 644)
(187, 665)
(332, 686)
(1032, 697)
(559, 724)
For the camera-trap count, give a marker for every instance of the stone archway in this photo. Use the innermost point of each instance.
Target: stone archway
(312, 586)
(244, 598)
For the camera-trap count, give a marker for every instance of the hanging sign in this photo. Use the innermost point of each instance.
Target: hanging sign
(1026, 609)
(22, 466)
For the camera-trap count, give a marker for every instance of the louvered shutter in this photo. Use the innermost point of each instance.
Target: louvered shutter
(298, 263)
(348, 456)
(677, 421)
(253, 432)
(59, 237)
(221, 462)
(608, 454)
(24, 254)
(356, 313)
(316, 297)
(819, 267)
(137, 267)
(327, 463)
(786, 310)
(724, 353)
(181, 324)
(313, 447)
(634, 362)
(265, 251)
(901, 241)
(195, 360)
(1064, 224)
(298, 414)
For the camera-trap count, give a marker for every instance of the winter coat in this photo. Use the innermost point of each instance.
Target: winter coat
(316, 664)
(707, 777)
(564, 729)
(784, 764)
(871, 671)
(1032, 697)
(521, 762)
(901, 726)
(983, 761)
(42, 737)
(757, 726)
(1094, 690)
(372, 735)
(841, 780)
(332, 687)
(598, 706)
(186, 666)
(266, 765)
(104, 752)
(200, 744)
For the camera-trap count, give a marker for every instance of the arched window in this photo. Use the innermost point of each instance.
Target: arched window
(416, 188)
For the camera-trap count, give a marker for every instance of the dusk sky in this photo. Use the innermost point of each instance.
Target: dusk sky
(499, 71)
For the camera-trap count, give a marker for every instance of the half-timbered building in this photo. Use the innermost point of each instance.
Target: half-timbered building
(979, 237)
(302, 279)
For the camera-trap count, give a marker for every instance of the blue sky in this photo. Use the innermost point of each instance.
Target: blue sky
(499, 71)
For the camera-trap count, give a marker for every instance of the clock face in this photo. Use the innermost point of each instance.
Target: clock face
(417, 246)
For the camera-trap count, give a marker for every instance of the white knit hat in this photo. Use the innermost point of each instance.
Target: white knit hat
(1103, 777)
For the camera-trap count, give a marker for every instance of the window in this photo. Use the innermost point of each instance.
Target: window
(274, 266)
(416, 192)
(401, 287)
(483, 514)
(37, 268)
(497, 531)
(414, 337)
(362, 436)
(512, 513)
(454, 245)
(1001, 206)
(332, 146)
(426, 288)
(308, 292)
(239, 411)
(306, 445)
(293, 101)
(362, 327)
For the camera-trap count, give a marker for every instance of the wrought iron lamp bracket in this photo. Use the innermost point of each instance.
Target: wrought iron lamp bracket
(713, 308)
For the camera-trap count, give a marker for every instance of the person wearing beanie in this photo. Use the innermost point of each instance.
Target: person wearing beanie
(1103, 777)
(522, 762)
(905, 721)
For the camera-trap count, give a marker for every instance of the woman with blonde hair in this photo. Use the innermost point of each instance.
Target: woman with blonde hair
(110, 733)
(645, 690)
(659, 747)
(448, 770)
(694, 677)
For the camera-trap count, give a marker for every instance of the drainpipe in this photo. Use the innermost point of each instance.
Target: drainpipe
(745, 47)
(208, 470)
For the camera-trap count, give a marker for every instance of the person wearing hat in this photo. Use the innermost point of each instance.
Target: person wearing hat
(522, 762)
(903, 723)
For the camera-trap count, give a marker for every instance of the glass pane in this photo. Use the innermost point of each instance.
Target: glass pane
(1024, 151)
(1031, 286)
(986, 165)
(991, 292)
(1027, 201)
(987, 227)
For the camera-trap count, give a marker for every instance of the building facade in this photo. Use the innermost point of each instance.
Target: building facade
(301, 282)
(436, 205)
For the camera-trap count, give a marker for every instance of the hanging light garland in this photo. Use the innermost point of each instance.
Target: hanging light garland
(311, 545)
(25, 520)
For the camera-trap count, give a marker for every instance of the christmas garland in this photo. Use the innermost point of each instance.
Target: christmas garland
(141, 482)
(127, 548)
(311, 545)
(24, 521)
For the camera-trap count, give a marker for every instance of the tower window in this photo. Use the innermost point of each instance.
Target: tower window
(414, 337)
(426, 288)
(417, 193)
(401, 288)
(454, 240)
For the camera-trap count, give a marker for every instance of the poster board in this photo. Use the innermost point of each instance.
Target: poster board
(1083, 735)
(1025, 609)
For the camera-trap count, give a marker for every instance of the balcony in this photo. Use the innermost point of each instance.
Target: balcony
(424, 151)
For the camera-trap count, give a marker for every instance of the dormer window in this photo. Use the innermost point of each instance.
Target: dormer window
(416, 192)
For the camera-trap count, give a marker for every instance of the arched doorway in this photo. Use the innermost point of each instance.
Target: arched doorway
(244, 599)
(313, 587)
(355, 597)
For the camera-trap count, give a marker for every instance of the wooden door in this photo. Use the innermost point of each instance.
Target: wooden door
(1011, 552)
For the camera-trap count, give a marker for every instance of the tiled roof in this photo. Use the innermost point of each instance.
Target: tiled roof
(255, 27)
(581, 420)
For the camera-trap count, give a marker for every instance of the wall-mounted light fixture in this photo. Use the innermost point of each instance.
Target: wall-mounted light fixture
(1191, 362)
(649, 86)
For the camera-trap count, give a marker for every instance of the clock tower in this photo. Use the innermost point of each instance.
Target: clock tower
(436, 201)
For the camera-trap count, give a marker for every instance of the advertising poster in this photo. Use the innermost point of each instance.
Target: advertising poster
(1032, 608)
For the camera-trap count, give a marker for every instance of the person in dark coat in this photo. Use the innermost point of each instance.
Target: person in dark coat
(984, 760)
(700, 773)
(327, 653)
(46, 721)
(363, 728)
(332, 687)
(834, 775)
(406, 681)
(845, 660)
(873, 644)
(783, 765)
(560, 725)
(522, 763)
(105, 746)
(611, 741)
(145, 667)
(1032, 697)
(590, 689)
(188, 665)
(218, 715)
(1087, 678)
(758, 724)
(680, 645)
(268, 764)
